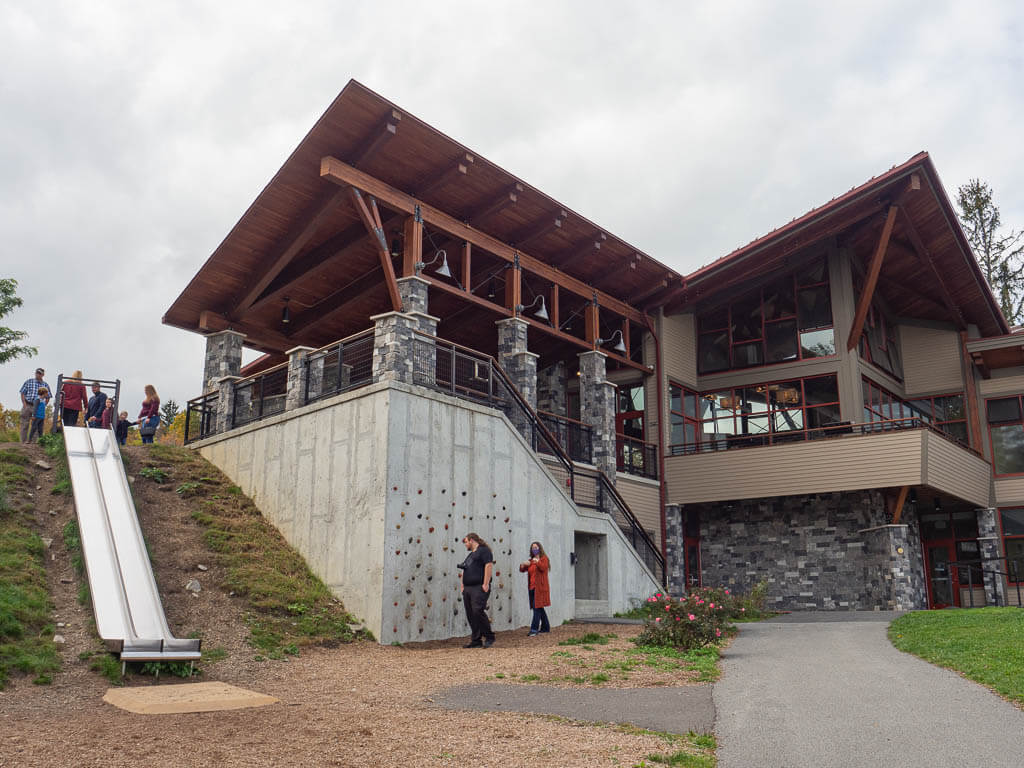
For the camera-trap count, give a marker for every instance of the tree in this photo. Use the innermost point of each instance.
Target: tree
(168, 411)
(1000, 254)
(9, 347)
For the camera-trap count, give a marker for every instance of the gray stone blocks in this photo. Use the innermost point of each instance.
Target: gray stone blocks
(223, 357)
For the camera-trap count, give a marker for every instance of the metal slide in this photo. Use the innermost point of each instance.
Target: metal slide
(129, 615)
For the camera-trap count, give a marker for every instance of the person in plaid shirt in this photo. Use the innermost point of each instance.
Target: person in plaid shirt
(29, 398)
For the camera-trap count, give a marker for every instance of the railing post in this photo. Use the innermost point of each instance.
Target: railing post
(225, 387)
(392, 347)
(989, 550)
(298, 377)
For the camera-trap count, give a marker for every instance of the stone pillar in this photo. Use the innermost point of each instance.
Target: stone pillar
(597, 408)
(413, 291)
(552, 384)
(895, 576)
(393, 346)
(514, 357)
(223, 357)
(675, 550)
(989, 548)
(298, 373)
(225, 387)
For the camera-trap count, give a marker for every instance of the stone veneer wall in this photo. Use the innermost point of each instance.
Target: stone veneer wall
(831, 551)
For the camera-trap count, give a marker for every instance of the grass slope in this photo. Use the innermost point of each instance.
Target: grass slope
(985, 644)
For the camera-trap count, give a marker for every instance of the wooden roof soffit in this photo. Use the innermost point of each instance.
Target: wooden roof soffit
(289, 246)
(672, 289)
(588, 247)
(979, 362)
(330, 304)
(864, 304)
(371, 220)
(386, 130)
(499, 202)
(656, 288)
(453, 172)
(256, 337)
(929, 263)
(538, 230)
(344, 174)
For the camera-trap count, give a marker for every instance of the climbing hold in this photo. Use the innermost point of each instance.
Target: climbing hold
(398, 551)
(444, 490)
(420, 491)
(430, 530)
(446, 526)
(506, 519)
(394, 487)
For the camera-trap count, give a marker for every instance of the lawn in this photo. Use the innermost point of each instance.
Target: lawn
(985, 644)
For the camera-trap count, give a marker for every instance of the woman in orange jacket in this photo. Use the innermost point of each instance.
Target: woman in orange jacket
(537, 568)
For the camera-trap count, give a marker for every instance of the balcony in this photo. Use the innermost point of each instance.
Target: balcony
(841, 457)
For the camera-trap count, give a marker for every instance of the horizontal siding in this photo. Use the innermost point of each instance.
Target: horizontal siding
(1010, 492)
(931, 360)
(679, 348)
(1005, 385)
(644, 499)
(822, 466)
(955, 471)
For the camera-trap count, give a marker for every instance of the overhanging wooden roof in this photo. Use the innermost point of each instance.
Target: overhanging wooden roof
(302, 240)
(928, 271)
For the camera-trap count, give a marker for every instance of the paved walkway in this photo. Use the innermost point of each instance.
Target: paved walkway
(829, 690)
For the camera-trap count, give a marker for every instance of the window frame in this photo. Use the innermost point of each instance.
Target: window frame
(988, 425)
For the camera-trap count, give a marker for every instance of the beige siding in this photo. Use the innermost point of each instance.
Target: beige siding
(1004, 385)
(644, 500)
(955, 471)
(1009, 492)
(839, 464)
(679, 348)
(931, 360)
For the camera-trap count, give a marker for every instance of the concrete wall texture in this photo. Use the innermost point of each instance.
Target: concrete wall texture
(377, 487)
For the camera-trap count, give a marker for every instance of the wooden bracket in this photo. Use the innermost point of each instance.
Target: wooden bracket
(374, 227)
(864, 304)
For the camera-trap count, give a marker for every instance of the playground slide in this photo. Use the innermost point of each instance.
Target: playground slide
(129, 615)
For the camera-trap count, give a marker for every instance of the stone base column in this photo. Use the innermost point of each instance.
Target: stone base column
(675, 550)
(298, 373)
(552, 384)
(990, 549)
(223, 357)
(393, 347)
(414, 293)
(521, 366)
(897, 581)
(226, 402)
(597, 408)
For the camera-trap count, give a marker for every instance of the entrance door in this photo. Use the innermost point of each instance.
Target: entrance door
(941, 588)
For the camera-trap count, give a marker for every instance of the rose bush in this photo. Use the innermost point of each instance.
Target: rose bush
(684, 622)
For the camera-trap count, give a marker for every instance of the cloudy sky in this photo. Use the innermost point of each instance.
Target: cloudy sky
(133, 135)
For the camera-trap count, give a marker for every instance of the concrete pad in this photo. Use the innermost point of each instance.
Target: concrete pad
(189, 697)
(679, 709)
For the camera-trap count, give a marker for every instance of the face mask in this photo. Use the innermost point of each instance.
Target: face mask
(534, 551)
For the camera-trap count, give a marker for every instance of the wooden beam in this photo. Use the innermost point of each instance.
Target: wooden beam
(539, 229)
(973, 422)
(500, 202)
(901, 499)
(673, 288)
(382, 247)
(979, 362)
(450, 173)
(255, 336)
(384, 131)
(343, 174)
(514, 288)
(470, 297)
(864, 304)
(591, 246)
(282, 254)
(467, 265)
(576, 341)
(591, 324)
(412, 248)
(555, 308)
(926, 259)
(625, 335)
(335, 301)
(655, 288)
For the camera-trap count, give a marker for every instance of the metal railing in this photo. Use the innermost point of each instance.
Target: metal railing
(976, 570)
(339, 367)
(201, 417)
(635, 457)
(574, 436)
(472, 375)
(58, 398)
(721, 442)
(260, 396)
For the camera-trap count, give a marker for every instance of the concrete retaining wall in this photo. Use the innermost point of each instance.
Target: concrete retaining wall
(377, 487)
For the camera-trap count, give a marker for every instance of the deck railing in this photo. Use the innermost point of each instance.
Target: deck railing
(260, 396)
(201, 417)
(635, 457)
(975, 571)
(339, 367)
(574, 436)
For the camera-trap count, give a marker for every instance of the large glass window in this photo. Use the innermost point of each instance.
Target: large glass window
(1006, 431)
(879, 342)
(945, 412)
(756, 414)
(787, 319)
(1013, 542)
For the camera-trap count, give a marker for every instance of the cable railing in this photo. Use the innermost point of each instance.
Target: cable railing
(201, 417)
(574, 436)
(635, 457)
(339, 367)
(260, 396)
(713, 442)
(976, 569)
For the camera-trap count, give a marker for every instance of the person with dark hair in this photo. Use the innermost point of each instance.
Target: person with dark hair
(97, 403)
(39, 415)
(121, 428)
(475, 581)
(29, 397)
(536, 569)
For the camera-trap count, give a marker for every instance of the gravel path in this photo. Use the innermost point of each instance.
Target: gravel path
(802, 691)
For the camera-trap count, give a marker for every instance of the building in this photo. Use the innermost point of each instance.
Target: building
(445, 345)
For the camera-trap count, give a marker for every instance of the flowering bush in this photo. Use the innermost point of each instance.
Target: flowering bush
(684, 622)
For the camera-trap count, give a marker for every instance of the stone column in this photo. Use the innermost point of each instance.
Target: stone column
(675, 550)
(298, 373)
(514, 357)
(990, 547)
(225, 387)
(223, 357)
(413, 291)
(393, 346)
(552, 384)
(597, 408)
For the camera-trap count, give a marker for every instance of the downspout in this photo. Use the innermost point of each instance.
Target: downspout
(661, 443)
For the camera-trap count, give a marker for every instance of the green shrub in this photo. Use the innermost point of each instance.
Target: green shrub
(686, 623)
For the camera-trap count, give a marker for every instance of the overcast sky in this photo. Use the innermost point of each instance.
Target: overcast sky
(134, 135)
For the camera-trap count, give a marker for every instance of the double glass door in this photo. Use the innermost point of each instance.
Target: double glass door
(941, 592)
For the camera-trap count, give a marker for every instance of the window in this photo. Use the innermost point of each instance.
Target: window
(787, 319)
(1013, 543)
(879, 342)
(757, 414)
(1006, 432)
(945, 412)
